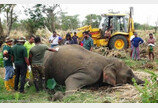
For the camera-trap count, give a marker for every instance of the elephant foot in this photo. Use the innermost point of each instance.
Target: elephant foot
(58, 96)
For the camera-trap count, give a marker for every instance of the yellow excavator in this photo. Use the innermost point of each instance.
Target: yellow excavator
(122, 29)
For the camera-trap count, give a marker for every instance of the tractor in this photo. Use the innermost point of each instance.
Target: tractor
(122, 29)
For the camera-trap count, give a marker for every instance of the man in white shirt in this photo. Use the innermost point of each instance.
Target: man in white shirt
(54, 39)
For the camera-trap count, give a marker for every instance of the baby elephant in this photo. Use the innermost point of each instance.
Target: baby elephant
(77, 67)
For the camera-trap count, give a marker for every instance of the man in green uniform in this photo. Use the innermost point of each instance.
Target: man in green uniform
(21, 62)
(9, 71)
(88, 41)
(36, 57)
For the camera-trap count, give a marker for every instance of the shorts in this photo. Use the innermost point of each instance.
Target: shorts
(151, 49)
(9, 72)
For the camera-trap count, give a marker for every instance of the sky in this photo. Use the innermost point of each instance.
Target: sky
(143, 13)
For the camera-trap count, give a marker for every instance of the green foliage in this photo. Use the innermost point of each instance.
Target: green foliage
(149, 92)
(69, 22)
(36, 19)
(93, 20)
(139, 26)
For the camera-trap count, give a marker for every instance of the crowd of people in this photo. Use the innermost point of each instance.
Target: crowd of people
(23, 59)
(135, 43)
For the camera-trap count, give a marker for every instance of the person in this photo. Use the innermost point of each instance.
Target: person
(108, 33)
(151, 44)
(136, 42)
(75, 38)
(9, 71)
(36, 58)
(21, 61)
(90, 34)
(88, 41)
(133, 36)
(68, 39)
(54, 39)
(28, 45)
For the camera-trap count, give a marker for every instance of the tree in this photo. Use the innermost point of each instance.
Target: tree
(1, 28)
(69, 22)
(93, 20)
(36, 19)
(10, 16)
(156, 26)
(51, 20)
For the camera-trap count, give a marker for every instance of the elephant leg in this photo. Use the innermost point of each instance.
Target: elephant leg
(78, 80)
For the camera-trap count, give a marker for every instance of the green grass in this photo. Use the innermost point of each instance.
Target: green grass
(82, 96)
(139, 65)
(15, 97)
(149, 92)
(31, 96)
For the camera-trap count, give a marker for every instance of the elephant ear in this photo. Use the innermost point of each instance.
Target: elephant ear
(109, 75)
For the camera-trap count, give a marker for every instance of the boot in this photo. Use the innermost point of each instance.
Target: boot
(27, 75)
(11, 82)
(6, 84)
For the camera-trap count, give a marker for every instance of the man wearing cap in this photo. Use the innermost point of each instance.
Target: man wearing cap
(21, 62)
(36, 58)
(54, 39)
(9, 71)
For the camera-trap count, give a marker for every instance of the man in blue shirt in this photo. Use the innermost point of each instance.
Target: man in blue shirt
(135, 42)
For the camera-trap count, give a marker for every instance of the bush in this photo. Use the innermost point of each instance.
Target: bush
(149, 92)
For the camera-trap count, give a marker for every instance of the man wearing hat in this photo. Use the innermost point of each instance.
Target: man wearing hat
(9, 71)
(21, 62)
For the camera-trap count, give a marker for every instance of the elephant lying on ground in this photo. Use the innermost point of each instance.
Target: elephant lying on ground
(77, 67)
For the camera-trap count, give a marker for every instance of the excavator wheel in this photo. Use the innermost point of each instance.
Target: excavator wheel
(118, 42)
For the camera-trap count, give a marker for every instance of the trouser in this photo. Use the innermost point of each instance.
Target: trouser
(38, 76)
(9, 72)
(9, 77)
(20, 72)
(135, 53)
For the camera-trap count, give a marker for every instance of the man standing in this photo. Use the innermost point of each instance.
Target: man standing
(28, 45)
(133, 36)
(55, 40)
(151, 44)
(88, 41)
(36, 57)
(75, 38)
(21, 62)
(135, 42)
(9, 71)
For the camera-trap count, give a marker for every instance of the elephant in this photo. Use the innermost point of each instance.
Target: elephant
(76, 67)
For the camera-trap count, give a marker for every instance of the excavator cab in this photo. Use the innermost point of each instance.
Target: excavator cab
(117, 23)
